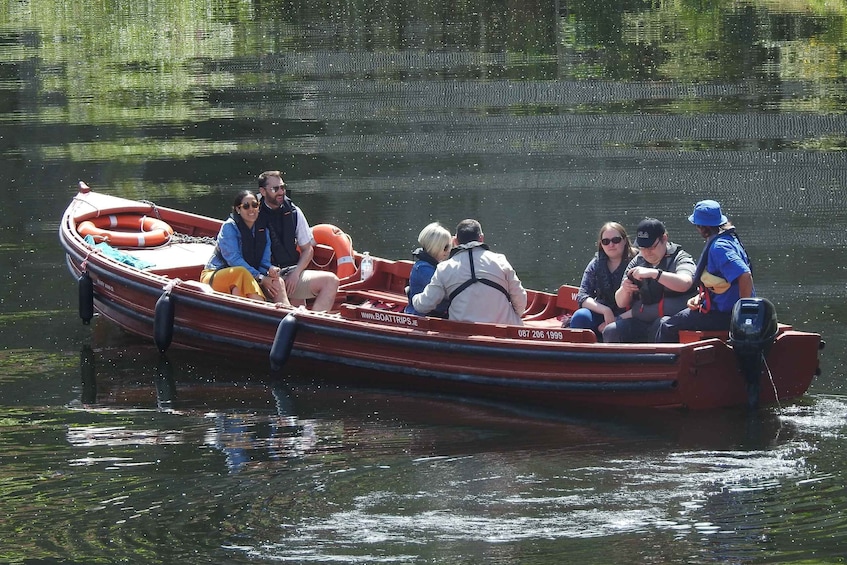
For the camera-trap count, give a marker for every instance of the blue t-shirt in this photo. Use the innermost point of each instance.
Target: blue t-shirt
(728, 260)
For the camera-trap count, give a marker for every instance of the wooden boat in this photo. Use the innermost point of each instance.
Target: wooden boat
(368, 340)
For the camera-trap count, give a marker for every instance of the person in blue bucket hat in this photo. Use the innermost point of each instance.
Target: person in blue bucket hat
(723, 276)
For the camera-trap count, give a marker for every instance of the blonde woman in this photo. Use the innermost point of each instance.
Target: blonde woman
(436, 243)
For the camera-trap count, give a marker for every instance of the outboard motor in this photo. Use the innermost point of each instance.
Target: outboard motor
(752, 331)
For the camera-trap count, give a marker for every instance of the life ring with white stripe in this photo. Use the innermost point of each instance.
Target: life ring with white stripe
(150, 231)
(341, 243)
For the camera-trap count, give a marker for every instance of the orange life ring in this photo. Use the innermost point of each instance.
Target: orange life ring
(151, 231)
(341, 243)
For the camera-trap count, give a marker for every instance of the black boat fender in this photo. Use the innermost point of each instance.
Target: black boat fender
(163, 321)
(86, 297)
(283, 342)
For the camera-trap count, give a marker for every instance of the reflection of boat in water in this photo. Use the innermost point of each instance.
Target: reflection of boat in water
(257, 420)
(367, 340)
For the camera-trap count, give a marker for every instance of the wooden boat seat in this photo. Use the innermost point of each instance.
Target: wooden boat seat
(176, 260)
(542, 311)
(390, 276)
(382, 299)
(690, 336)
(566, 298)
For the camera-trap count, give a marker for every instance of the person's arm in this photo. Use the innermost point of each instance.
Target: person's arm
(624, 294)
(587, 285)
(229, 243)
(430, 297)
(517, 292)
(732, 266)
(419, 277)
(271, 284)
(306, 242)
(745, 285)
(607, 313)
(677, 282)
(307, 251)
(265, 263)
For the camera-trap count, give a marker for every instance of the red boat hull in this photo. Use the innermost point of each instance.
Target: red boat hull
(361, 343)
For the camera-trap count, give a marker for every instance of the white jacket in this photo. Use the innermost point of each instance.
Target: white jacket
(478, 302)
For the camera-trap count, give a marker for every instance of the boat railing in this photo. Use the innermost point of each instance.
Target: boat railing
(690, 336)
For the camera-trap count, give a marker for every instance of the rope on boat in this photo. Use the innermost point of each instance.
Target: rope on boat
(153, 208)
(79, 200)
(185, 238)
(773, 384)
(325, 265)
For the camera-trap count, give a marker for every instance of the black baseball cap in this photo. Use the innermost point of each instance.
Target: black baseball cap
(649, 230)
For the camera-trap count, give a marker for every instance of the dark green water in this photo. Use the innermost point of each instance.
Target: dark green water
(541, 119)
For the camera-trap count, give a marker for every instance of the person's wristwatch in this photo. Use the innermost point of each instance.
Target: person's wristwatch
(259, 278)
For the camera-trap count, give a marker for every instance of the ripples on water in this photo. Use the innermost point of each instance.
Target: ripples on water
(542, 119)
(245, 470)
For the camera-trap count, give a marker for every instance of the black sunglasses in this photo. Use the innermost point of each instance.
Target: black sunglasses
(616, 240)
(249, 205)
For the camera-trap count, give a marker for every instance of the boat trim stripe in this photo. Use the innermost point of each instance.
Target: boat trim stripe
(493, 350)
(465, 378)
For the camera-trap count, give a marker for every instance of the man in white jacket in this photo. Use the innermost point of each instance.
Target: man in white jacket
(482, 286)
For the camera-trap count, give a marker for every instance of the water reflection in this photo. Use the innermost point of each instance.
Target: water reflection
(300, 471)
(272, 417)
(542, 118)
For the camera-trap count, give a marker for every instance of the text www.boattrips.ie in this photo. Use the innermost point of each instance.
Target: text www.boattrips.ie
(391, 318)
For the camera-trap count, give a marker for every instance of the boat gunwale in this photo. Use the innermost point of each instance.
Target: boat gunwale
(335, 327)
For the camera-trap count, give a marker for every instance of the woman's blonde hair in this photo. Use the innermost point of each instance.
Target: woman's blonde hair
(434, 238)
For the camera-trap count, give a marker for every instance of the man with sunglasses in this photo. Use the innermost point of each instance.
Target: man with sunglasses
(292, 245)
(658, 281)
(723, 274)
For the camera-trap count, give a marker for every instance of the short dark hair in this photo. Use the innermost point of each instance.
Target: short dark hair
(263, 178)
(468, 231)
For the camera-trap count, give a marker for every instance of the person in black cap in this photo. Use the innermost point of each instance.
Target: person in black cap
(723, 275)
(658, 281)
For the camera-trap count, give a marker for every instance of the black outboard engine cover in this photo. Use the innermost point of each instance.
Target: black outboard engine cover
(752, 331)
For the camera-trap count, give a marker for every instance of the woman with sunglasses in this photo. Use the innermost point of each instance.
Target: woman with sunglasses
(436, 242)
(602, 277)
(241, 262)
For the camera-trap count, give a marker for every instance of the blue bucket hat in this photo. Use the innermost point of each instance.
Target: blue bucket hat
(707, 213)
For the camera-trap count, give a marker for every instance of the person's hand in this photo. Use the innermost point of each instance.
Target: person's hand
(642, 273)
(608, 318)
(629, 286)
(291, 280)
(694, 303)
(271, 286)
